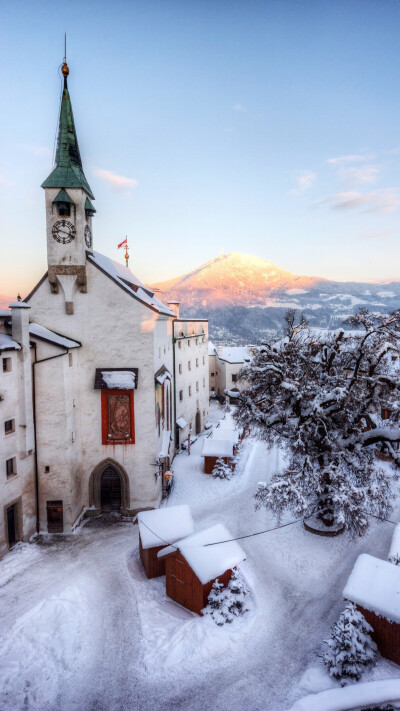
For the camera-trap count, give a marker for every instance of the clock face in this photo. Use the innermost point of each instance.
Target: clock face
(88, 236)
(63, 231)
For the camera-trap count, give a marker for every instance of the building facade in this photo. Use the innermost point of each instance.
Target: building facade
(88, 360)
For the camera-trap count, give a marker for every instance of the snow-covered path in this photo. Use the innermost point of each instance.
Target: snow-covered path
(82, 629)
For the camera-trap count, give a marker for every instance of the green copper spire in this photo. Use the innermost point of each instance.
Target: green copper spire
(68, 172)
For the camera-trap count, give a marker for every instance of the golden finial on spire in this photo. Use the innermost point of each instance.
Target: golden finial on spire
(65, 68)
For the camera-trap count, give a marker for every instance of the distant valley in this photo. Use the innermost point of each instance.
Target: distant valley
(245, 298)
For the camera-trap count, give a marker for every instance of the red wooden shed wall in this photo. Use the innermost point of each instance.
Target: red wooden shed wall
(183, 585)
(386, 635)
(153, 566)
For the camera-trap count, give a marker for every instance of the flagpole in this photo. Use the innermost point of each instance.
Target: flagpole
(126, 251)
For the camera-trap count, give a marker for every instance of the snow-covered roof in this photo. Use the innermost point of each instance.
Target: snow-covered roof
(181, 422)
(116, 379)
(165, 444)
(124, 277)
(394, 553)
(162, 375)
(19, 305)
(7, 343)
(234, 354)
(44, 334)
(208, 561)
(211, 349)
(375, 585)
(217, 447)
(232, 393)
(227, 434)
(167, 525)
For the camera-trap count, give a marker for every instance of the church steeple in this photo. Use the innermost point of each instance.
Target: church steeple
(68, 171)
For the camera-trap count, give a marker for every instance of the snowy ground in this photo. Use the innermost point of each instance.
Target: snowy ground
(82, 629)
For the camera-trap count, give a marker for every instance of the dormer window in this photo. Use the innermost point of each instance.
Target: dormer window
(89, 208)
(63, 203)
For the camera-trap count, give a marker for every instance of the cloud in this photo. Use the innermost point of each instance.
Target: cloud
(362, 175)
(345, 160)
(41, 151)
(376, 201)
(380, 235)
(304, 182)
(239, 108)
(119, 182)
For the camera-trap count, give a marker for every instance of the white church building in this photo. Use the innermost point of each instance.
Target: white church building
(89, 401)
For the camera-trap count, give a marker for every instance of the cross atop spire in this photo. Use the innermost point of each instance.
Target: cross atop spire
(68, 171)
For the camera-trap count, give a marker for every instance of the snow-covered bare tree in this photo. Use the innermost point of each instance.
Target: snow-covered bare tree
(350, 647)
(329, 398)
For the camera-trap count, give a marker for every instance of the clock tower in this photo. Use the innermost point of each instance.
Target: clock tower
(69, 210)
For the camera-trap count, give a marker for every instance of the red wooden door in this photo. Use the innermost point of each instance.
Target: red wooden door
(110, 488)
(176, 581)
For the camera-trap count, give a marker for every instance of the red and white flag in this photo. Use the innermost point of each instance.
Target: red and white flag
(122, 243)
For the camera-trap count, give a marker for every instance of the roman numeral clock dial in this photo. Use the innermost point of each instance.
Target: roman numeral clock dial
(63, 231)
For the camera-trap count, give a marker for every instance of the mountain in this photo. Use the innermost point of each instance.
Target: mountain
(245, 297)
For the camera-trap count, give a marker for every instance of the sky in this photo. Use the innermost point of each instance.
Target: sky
(205, 127)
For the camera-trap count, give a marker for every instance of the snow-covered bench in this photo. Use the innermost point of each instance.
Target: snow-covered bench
(351, 698)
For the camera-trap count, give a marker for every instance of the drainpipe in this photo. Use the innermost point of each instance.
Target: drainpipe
(36, 362)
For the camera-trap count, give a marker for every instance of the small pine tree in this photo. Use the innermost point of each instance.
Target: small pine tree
(350, 647)
(225, 603)
(222, 470)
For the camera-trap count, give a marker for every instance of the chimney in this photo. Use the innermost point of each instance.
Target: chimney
(174, 306)
(20, 333)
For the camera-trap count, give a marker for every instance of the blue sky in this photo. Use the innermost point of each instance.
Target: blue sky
(205, 126)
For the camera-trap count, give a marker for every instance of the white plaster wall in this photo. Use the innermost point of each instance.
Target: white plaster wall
(193, 346)
(19, 488)
(116, 330)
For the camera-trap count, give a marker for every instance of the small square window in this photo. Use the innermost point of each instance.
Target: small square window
(197, 362)
(9, 426)
(213, 389)
(70, 359)
(11, 467)
(180, 394)
(234, 377)
(204, 360)
(212, 374)
(190, 390)
(7, 365)
(180, 367)
(189, 365)
(179, 344)
(197, 341)
(204, 382)
(197, 386)
(189, 344)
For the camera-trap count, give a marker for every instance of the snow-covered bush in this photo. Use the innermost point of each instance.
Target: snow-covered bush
(350, 648)
(319, 396)
(222, 470)
(226, 603)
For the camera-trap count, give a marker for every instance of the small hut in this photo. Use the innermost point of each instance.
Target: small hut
(192, 565)
(214, 449)
(159, 528)
(374, 586)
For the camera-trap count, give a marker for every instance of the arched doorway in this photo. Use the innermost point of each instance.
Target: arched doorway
(96, 485)
(110, 490)
(198, 422)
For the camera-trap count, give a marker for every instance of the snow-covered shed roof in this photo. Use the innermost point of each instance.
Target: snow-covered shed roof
(375, 585)
(208, 561)
(394, 553)
(217, 447)
(227, 434)
(234, 354)
(7, 343)
(167, 525)
(232, 393)
(45, 334)
(127, 281)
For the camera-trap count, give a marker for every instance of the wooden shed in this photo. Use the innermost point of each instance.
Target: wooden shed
(214, 449)
(374, 586)
(157, 529)
(193, 565)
